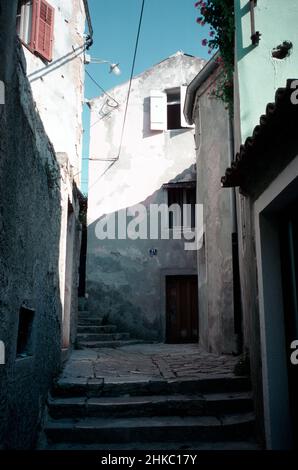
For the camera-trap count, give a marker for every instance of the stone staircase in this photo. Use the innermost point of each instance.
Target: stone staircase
(208, 413)
(94, 333)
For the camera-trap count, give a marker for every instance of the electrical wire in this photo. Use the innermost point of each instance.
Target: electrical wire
(100, 87)
(127, 99)
(131, 76)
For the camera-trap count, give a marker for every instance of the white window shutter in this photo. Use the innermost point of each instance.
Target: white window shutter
(158, 110)
(183, 122)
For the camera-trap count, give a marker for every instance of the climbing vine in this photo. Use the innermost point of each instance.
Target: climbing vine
(219, 15)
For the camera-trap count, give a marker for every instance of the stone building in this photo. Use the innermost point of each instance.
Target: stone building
(145, 285)
(265, 173)
(219, 319)
(40, 231)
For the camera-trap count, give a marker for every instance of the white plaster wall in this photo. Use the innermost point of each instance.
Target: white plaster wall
(148, 158)
(124, 283)
(58, 86)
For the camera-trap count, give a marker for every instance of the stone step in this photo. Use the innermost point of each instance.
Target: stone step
(167, 429)
(83, 329)
(90, 321)
(106, 344)
(248, 444)
(103, 337)
(116, 387)
(163, 405)
(87, 314)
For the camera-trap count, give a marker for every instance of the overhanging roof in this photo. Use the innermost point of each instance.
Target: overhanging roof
(274, 142)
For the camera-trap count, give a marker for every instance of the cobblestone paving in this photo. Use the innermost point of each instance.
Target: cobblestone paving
(146, 362)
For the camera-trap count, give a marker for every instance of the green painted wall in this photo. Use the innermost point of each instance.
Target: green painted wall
(259, 73)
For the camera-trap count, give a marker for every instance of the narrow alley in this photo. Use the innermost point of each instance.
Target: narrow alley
(148, 231)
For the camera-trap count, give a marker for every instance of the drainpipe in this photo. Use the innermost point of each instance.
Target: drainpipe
(235, 255)
(89, 39)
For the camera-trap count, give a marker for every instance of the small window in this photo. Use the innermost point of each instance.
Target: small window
(166, 109)
(35, 26)
(174, 109)
(24, 342)
(183, 202)
(24, 21)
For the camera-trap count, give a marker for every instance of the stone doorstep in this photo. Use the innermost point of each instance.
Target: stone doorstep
(145, 429)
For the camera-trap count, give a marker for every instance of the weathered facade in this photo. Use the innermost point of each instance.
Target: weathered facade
(265, 171)
(59, 83)
(129, 280)
(219, 331)
(39, 242)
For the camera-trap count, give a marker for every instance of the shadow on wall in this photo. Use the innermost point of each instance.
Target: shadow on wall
(124, 276)
(30, 220)
(242, 51)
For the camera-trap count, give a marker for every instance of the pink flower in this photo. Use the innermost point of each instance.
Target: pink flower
(199, 20)
(204, 42)
(211, 34)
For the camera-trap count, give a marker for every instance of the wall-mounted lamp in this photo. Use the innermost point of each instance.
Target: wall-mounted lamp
(114, 68)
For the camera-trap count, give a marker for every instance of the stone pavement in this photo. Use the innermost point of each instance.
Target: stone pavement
(153, 396)
(141, 362)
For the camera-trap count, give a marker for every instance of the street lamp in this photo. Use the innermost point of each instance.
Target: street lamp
(114, 68)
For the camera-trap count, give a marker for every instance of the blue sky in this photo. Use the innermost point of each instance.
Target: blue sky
(168, 26)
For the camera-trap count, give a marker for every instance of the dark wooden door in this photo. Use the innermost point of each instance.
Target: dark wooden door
(181, 309)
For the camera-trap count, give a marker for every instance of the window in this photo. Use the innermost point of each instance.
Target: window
(166, 109)
(174, 109)
(35, 26)
(182, 204)
(24, 21)
(24, 343)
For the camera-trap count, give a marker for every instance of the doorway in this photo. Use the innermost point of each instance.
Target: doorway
(182, 309)
(289, 270)
(276, 225)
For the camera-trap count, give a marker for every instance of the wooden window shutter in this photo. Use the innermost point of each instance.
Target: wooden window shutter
(158, 110)
(43, 29)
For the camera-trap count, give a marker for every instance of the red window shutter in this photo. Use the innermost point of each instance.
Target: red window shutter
(43, 28)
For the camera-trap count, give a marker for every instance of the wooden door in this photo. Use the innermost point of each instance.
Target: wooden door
(181, 309)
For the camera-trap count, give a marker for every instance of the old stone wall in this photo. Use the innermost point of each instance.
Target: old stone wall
(30, 216)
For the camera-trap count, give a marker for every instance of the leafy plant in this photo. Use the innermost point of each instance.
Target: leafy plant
(219, 14)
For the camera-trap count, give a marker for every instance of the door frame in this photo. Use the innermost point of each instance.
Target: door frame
(163, 274)
(281, 192)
